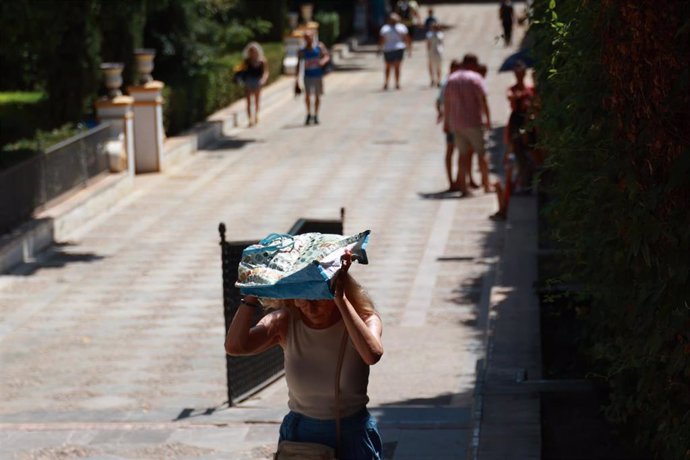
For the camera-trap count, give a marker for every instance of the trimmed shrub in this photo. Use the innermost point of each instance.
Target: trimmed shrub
(329, 27)
(21, 114)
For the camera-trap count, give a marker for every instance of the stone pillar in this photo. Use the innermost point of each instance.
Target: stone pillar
(118, 112)
(148, 126)
(292, 43)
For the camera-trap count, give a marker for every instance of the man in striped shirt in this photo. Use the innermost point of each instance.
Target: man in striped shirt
(464, 103)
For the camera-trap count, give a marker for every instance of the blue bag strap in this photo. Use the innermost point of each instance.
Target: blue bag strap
(274, 236)
(265, 244)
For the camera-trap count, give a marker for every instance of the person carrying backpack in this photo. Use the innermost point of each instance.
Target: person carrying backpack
(315, 58)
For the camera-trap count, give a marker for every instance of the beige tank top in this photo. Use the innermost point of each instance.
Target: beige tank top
(311, 359)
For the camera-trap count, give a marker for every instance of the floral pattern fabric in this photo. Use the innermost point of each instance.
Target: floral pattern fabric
(296, 266)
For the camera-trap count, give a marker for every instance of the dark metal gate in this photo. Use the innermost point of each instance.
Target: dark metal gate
(248, 374)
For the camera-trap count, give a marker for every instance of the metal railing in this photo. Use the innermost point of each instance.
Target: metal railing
(248, 374)
(64, 167)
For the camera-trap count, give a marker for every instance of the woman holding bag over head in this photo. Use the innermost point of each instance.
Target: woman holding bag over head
(325, 341)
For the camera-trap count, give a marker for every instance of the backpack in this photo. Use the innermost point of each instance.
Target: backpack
(404, 10)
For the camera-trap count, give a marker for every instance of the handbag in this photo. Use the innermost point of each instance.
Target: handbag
(239, 73)
(283, 266)
(327, 67)
(292, 450)
(239, 77)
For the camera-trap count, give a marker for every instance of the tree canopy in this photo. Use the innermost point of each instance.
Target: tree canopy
(56, 46)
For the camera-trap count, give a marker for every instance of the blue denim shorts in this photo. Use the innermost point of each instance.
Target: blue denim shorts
(252, 84)
(360, 434)
(393, 56)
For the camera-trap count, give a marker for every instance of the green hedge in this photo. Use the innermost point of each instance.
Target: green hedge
(210, 89)
(21, 114)
(35, 143)
(613, 81)
(329, 27)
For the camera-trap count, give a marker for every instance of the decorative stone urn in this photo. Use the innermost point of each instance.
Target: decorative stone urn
(293, 20)
(112, 73)
(307, 10)
(144, 58)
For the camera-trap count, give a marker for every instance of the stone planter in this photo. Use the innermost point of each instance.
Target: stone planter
(307, 9)
(112, 75)
(293, 20)
(144, 59)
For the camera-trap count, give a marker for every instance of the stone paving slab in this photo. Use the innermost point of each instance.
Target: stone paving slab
(119, 329)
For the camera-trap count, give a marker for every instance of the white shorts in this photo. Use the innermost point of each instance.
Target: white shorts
(470, 137)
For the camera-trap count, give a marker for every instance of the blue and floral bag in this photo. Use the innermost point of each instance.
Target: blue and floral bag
(283, 266)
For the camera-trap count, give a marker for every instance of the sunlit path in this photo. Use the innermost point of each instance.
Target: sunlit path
(123, 323)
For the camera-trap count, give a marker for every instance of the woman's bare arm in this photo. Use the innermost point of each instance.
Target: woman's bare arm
(243, 339)
(365, 333)
(265, 75)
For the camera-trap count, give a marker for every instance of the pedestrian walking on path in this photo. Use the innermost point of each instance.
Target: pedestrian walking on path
(464, 103)
(430, 20)
(520, 96)
(434, 47)
(315, 58)
(255, 75)
(482, 70)
(394, 39)
(449, 136)
(408, 12)
(506, 14)
(311, 333)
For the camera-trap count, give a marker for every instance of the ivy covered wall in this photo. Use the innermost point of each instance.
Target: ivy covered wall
(613, 78)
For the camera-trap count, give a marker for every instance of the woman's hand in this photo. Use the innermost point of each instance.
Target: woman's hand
(340, 281)
(346, 259)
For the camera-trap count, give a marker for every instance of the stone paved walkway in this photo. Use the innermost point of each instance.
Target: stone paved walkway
(110, 336)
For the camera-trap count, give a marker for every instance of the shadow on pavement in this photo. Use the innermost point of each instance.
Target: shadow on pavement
(475, 290)
(230, 143)
(455, 259)
(350, 68)
(439, 400)
(405, 424)
(442, 195)
(297, 126)
(495, 148)
(191, 412)
(54, 258)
